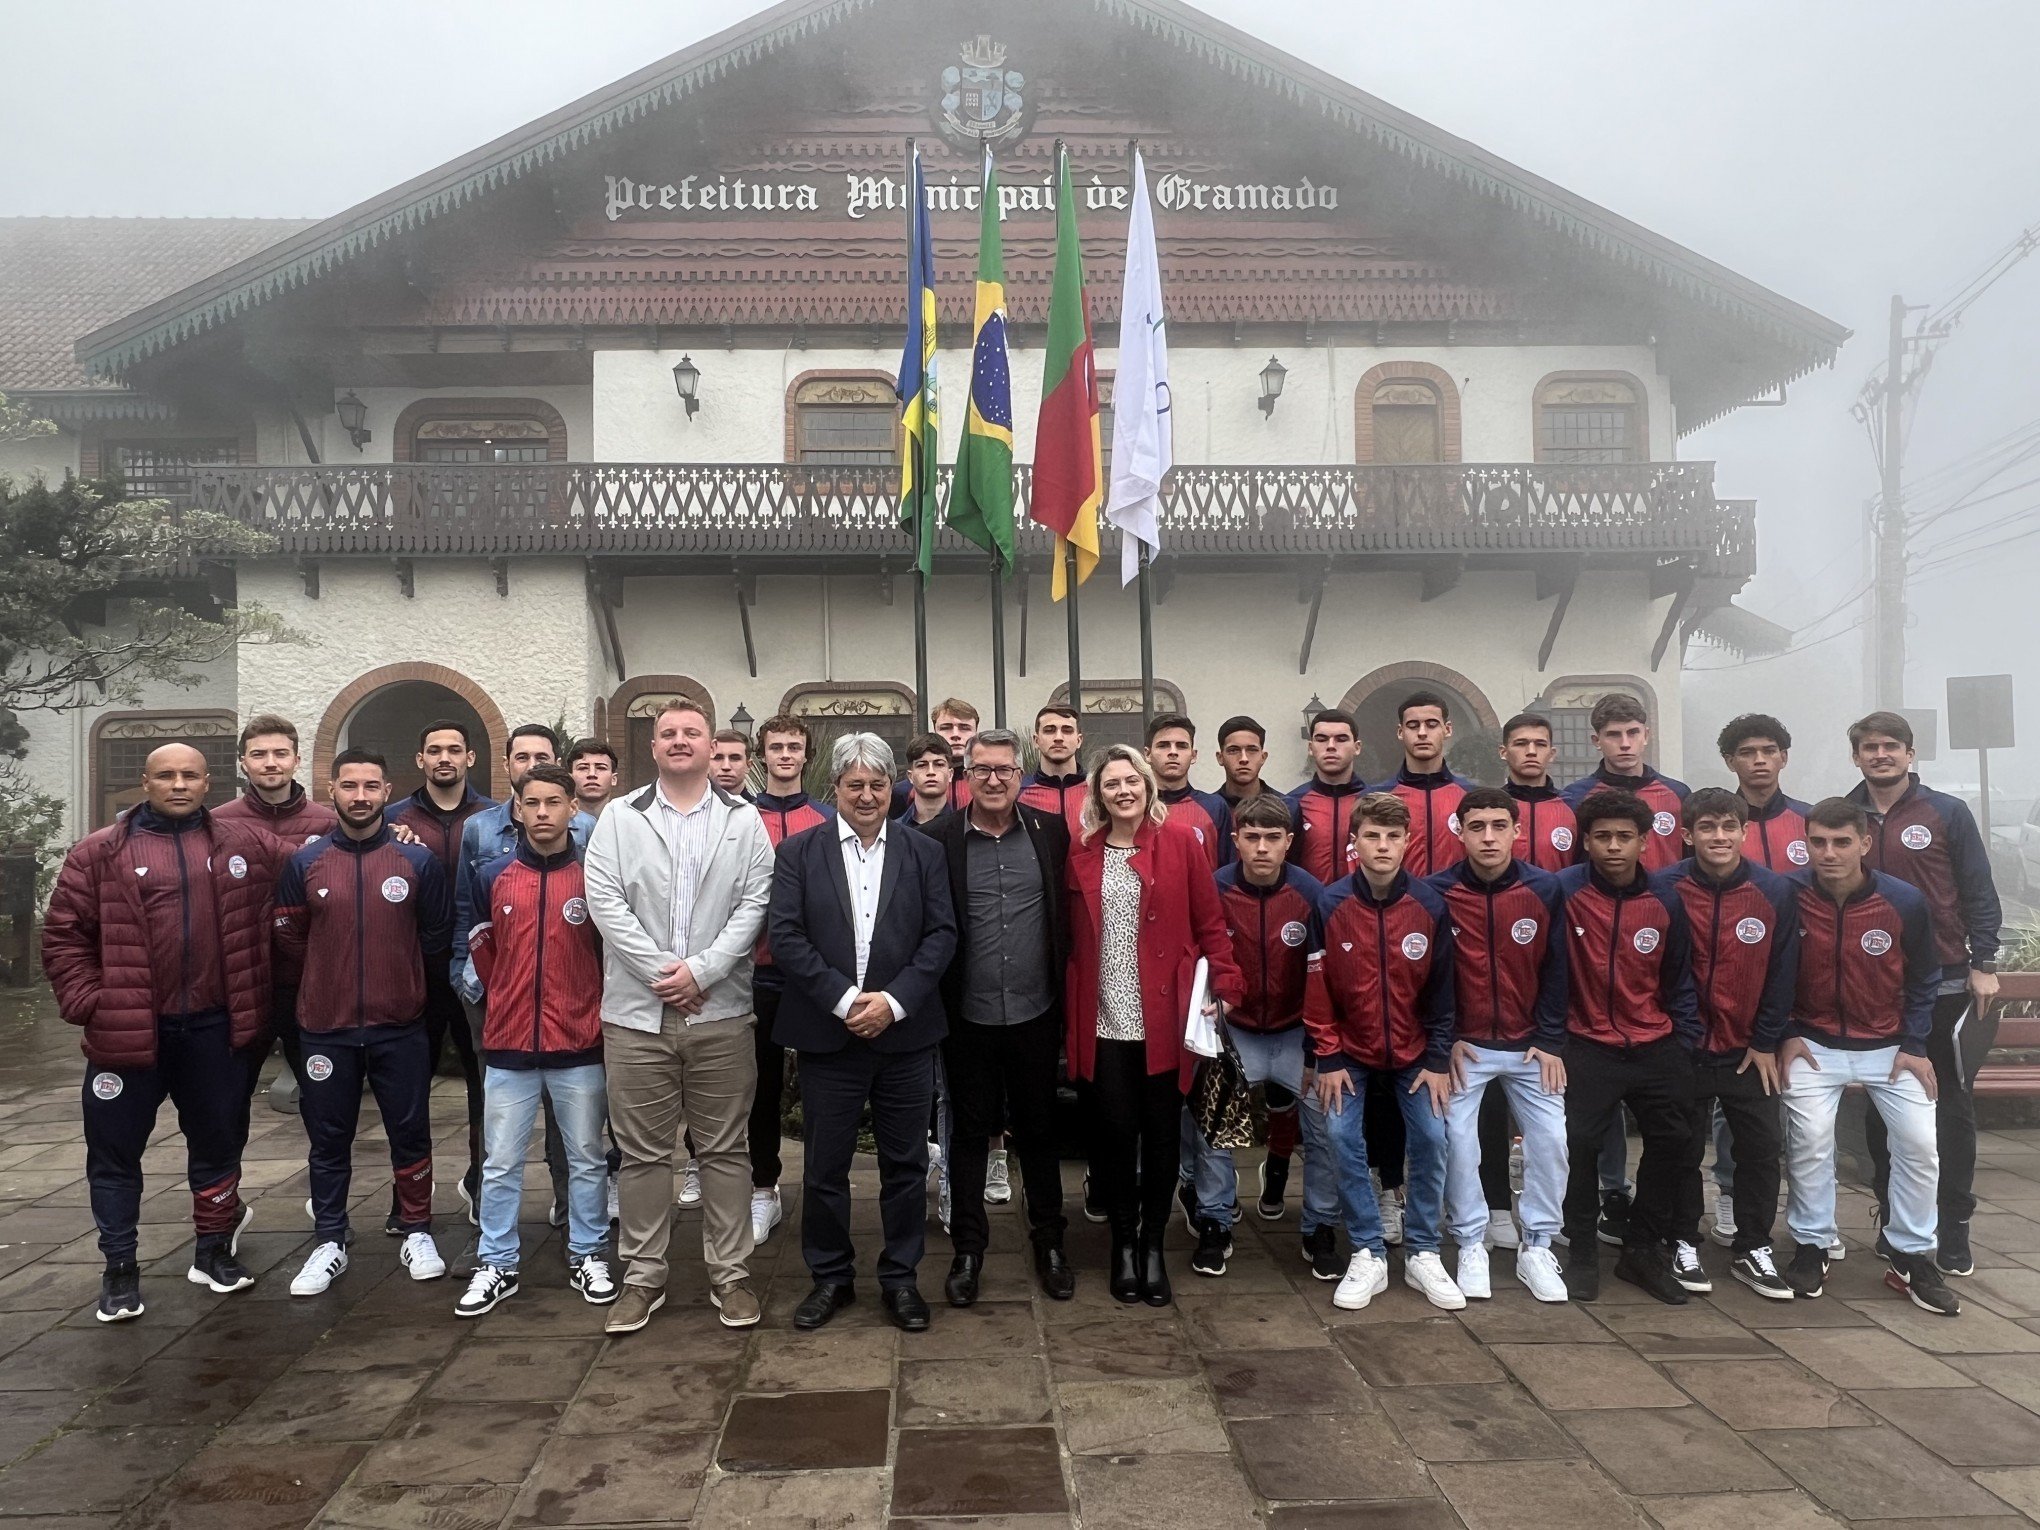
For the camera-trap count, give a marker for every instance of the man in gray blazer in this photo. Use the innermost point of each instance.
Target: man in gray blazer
(678, 879)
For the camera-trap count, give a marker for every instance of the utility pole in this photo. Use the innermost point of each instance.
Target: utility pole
(1891, 524)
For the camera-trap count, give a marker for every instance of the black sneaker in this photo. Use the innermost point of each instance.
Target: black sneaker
(120, 1293)
(1583, 1271)
(1321, 1252)
(1953, 1256)
(1688, 1271)
(1214, 1247)
(213, 1264)
(1916, 1276)
(1094, 1208)
(1756, 1269)
(1882, 1220)
(1613, 1227)
(1807, 1273)
(1186, 1197)
(1274, 1185)
(1650, 1271)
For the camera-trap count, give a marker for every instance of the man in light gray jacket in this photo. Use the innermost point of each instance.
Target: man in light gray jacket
(678, 878)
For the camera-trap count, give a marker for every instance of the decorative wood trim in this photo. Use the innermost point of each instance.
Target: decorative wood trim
(1106, 698)
(792, 702)
(438, 408)
(1414, 671)
(211, 722)
(1449, 414)
(1630, 379)
(833, 374)
(326, 741)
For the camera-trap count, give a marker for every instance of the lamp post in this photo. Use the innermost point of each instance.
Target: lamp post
(353, 416)
(687, 380)
(1272, 376)
(1311, 709)
(741, 720)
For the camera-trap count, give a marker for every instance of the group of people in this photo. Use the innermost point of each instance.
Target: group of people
(1454, 997)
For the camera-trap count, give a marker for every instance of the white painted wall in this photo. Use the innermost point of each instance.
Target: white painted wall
(48, 457)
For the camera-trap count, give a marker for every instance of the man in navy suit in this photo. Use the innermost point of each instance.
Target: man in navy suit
(862, 928)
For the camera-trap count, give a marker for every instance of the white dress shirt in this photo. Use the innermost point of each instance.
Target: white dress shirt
(865, 870)
(686, 833)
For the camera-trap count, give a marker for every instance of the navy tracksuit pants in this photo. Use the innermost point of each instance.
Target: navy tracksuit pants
(198, 1072)
(396, 1065)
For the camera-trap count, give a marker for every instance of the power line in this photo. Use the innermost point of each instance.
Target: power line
(1783, 653)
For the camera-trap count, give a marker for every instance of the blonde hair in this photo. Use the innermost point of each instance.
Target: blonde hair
(1094, 816)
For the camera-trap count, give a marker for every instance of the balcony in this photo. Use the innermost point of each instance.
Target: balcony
(1647, 515)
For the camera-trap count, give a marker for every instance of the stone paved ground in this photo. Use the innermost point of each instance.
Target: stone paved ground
(1251, 1401)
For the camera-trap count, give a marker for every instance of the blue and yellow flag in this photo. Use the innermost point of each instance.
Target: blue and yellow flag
(917, 388)
(981, 497)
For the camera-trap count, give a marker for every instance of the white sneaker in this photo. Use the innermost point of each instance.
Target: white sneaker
(590, 1276)
(1366, 1278)
(327, 1261)
(1502, 1232)
(1391, 1204)
(1538, 1269)
(1838, 1250)
(1472, 1274)
(765, 1213)
(1426, 1273)
(311, 1216)
(612, 1205)
(486, 1287)
(690, 1183)
(998, 1186)
(420, 1255)
(1687, 1271)
(1723, 1231)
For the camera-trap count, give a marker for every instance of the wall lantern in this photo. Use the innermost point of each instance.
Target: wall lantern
(741, 720)
(1271, 384)
(1311, 709)
(687, 378)
(353, 415)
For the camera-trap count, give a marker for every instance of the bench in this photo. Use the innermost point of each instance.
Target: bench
(2012, 1071)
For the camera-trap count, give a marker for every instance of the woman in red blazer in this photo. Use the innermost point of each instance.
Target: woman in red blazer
(1143, 907)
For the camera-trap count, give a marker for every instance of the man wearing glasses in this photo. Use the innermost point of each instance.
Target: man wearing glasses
(1003, 993)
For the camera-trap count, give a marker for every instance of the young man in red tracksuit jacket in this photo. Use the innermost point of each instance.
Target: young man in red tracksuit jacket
(1622, 734)
(1426, 785)
(1756, 748)
(524, 921)
(1509, 955)
(1632, 1024)
(1548, 837)
(1171, 751)
(1323, 805)
(360, 915)
(1379, 1000)
(1745, 924)
(1868, 967)
(1056, 784)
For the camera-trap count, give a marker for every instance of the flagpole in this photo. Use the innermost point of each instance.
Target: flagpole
(998, 641)
(1069, 550)
(1147, 607)
(921, 489)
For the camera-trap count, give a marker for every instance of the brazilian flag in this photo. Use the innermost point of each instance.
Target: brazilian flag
(981, 497)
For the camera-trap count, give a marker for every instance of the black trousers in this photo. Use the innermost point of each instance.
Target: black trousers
(283, 1033)
(1495, 1136)
(1382, 1127)
(446, 1021)
(1004, 1073)
(834, 1089)
(1955, 1063)
(766, 1105)
(198, 1071)
(1137, 1124)
(1755, 1132)
(1655, 1080)
(397, 1068)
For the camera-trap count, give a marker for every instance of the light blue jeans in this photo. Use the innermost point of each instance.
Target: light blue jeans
(580, 1102)
(1541, 1117)
(1423, 1172)
(1278, 1057)
(1811, 1098)
(1320, 1167)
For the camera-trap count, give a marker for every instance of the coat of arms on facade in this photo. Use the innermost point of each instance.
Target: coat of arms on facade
(982, 100)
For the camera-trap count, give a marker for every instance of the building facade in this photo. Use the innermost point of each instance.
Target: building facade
(458, 407)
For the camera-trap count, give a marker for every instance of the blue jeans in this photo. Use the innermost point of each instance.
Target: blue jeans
(1320, 1168)
(1542, 1119)
(1424, 1174)
(510, 1099)
(1279, 1058)
(1811, 1096)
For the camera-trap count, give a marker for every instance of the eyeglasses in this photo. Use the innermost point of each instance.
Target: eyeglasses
(993, 772)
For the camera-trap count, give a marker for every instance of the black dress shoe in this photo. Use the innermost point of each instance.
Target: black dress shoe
(962, 1285)
(904, 1306)
(1057, 1278)
(1125, 1271)
(1154, 1274)
(821, 1304)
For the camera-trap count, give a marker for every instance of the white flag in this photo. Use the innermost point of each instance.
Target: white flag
(1143, 445)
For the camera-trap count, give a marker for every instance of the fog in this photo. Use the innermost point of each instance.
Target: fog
(1837, 151)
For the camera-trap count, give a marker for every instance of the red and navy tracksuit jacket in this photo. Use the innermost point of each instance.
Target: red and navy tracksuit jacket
(1930, 840)
(1868, 967)
(1057, 794)
(1205, 815)
(1775, 836)
(297, 820)
(1629, 955)
(440, 832)
(1663, 846)
(1324, 827)
(1548, 829)
(1273, 930)
(785, 817)
(1745, 955)
(1433, 801)
(1509, 956)
(525, 921)
(902, 796)
(362, 916)
(1379, 994)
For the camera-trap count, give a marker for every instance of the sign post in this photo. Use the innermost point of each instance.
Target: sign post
(1980, 718)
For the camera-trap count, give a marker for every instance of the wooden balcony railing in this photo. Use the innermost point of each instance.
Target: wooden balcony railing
(783, 509)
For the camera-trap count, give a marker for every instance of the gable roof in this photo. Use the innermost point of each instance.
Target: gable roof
(1808, 338)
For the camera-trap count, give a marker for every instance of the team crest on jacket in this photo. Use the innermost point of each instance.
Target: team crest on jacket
(1415, 944)
(395, 889)
(1876, 942)
(1750, 931)
(1916, 836)
(237, 866)
(1198, 832)
(1796, 852)
(1645, 941)
(1663, 823)
(1561, 838)
(318, 1067)
(1523, 931)
(107, 1086)
(1293, 933)
(575, 911)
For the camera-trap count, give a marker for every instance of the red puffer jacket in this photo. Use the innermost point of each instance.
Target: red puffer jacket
(95, 946)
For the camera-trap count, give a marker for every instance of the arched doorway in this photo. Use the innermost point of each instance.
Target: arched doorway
(386, 709)
(1476, 728)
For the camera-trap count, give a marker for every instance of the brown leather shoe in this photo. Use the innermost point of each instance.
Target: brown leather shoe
(737, 1303)
(633, 1309)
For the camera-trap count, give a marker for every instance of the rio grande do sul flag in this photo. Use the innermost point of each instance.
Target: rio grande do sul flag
(1068, 467)
(981, 492)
